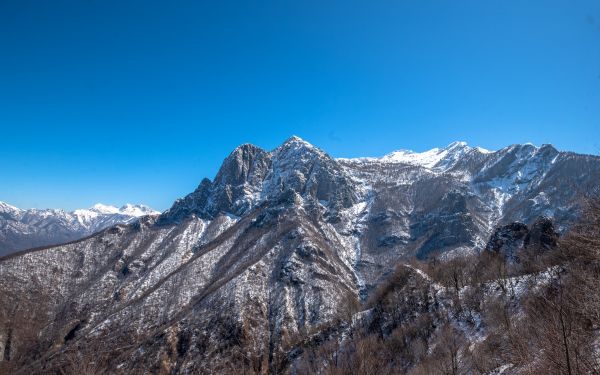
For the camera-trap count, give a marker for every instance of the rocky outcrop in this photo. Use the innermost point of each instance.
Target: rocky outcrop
(250, 175)
(234, 190)
(542, 235)
(509, 240)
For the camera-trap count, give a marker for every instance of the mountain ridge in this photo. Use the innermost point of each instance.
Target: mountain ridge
(274, 247)
(21, 229)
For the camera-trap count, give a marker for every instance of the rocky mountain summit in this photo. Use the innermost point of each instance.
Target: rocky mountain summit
(24, 229)
(275, 247)
(250, 176)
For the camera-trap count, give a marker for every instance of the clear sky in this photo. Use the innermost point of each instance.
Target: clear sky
(137, 101)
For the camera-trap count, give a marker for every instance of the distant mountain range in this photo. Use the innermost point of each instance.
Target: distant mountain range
(273, 248)
(23, 229)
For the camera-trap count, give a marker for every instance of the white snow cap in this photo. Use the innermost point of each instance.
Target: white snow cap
(430, 158)
(104, 209)
(296, 147)
(128, 209)
(5, 207)
(137, 210)
(439, 159)
(297, 141)
(295, 138)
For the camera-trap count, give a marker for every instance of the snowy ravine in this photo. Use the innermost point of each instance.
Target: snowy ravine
(274, 247)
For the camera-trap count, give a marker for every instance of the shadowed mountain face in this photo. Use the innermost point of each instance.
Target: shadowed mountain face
(279, 243)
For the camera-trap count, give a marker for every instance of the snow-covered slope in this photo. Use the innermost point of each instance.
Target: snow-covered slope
(438, 159)
(23, 229)
(274, 247)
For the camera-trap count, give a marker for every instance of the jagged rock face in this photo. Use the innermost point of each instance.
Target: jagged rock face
(448, 201)
(312, 174)
(274, 246)
(509, 239)
(25, 229)
(250, 175)
(240, 179)
(542, 235)
(234, 189)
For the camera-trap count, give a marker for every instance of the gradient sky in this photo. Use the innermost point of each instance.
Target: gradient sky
(136, 101)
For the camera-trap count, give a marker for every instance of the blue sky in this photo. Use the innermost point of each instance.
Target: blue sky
(136, 101)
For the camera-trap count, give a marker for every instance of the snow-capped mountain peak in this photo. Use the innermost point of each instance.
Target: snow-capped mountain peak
(22, 229)
(104, 209)
(128, 209)
(431, 158)
(294, 139)
(296, 146)
(137, 210)
(296, 151)
(456, 144)
(7, 208)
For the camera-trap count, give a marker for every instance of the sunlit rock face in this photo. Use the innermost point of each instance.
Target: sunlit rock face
(250, 176)
(276, 245)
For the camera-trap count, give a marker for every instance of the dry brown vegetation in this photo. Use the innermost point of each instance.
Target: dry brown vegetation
(409, 325)
(553, 327)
